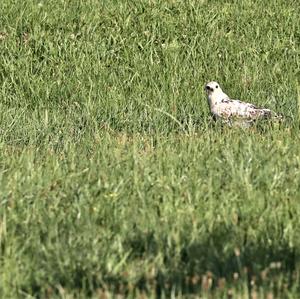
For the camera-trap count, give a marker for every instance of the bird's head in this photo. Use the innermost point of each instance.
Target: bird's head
(212, 88)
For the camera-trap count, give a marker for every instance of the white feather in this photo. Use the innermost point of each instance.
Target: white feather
(221, 106)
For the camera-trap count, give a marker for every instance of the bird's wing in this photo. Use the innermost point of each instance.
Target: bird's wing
(229, 108)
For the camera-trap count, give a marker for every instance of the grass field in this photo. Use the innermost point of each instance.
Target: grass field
(115, 182)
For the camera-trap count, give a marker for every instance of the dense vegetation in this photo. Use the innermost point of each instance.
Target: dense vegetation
(115, 182)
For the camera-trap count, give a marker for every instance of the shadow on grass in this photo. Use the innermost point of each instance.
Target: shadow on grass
(198, 267)
(205, 266)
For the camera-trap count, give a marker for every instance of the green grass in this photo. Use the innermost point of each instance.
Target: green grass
(115, 182)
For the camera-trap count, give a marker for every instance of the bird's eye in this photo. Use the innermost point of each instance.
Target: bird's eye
(217, 86)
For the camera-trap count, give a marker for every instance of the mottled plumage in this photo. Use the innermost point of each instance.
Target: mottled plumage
(228, 110)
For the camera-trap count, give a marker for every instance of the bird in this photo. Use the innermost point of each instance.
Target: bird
(234, 112)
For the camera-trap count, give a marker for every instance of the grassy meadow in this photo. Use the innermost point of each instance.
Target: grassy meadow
(114, 180)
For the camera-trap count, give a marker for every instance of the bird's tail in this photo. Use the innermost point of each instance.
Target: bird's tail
(267, 113)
